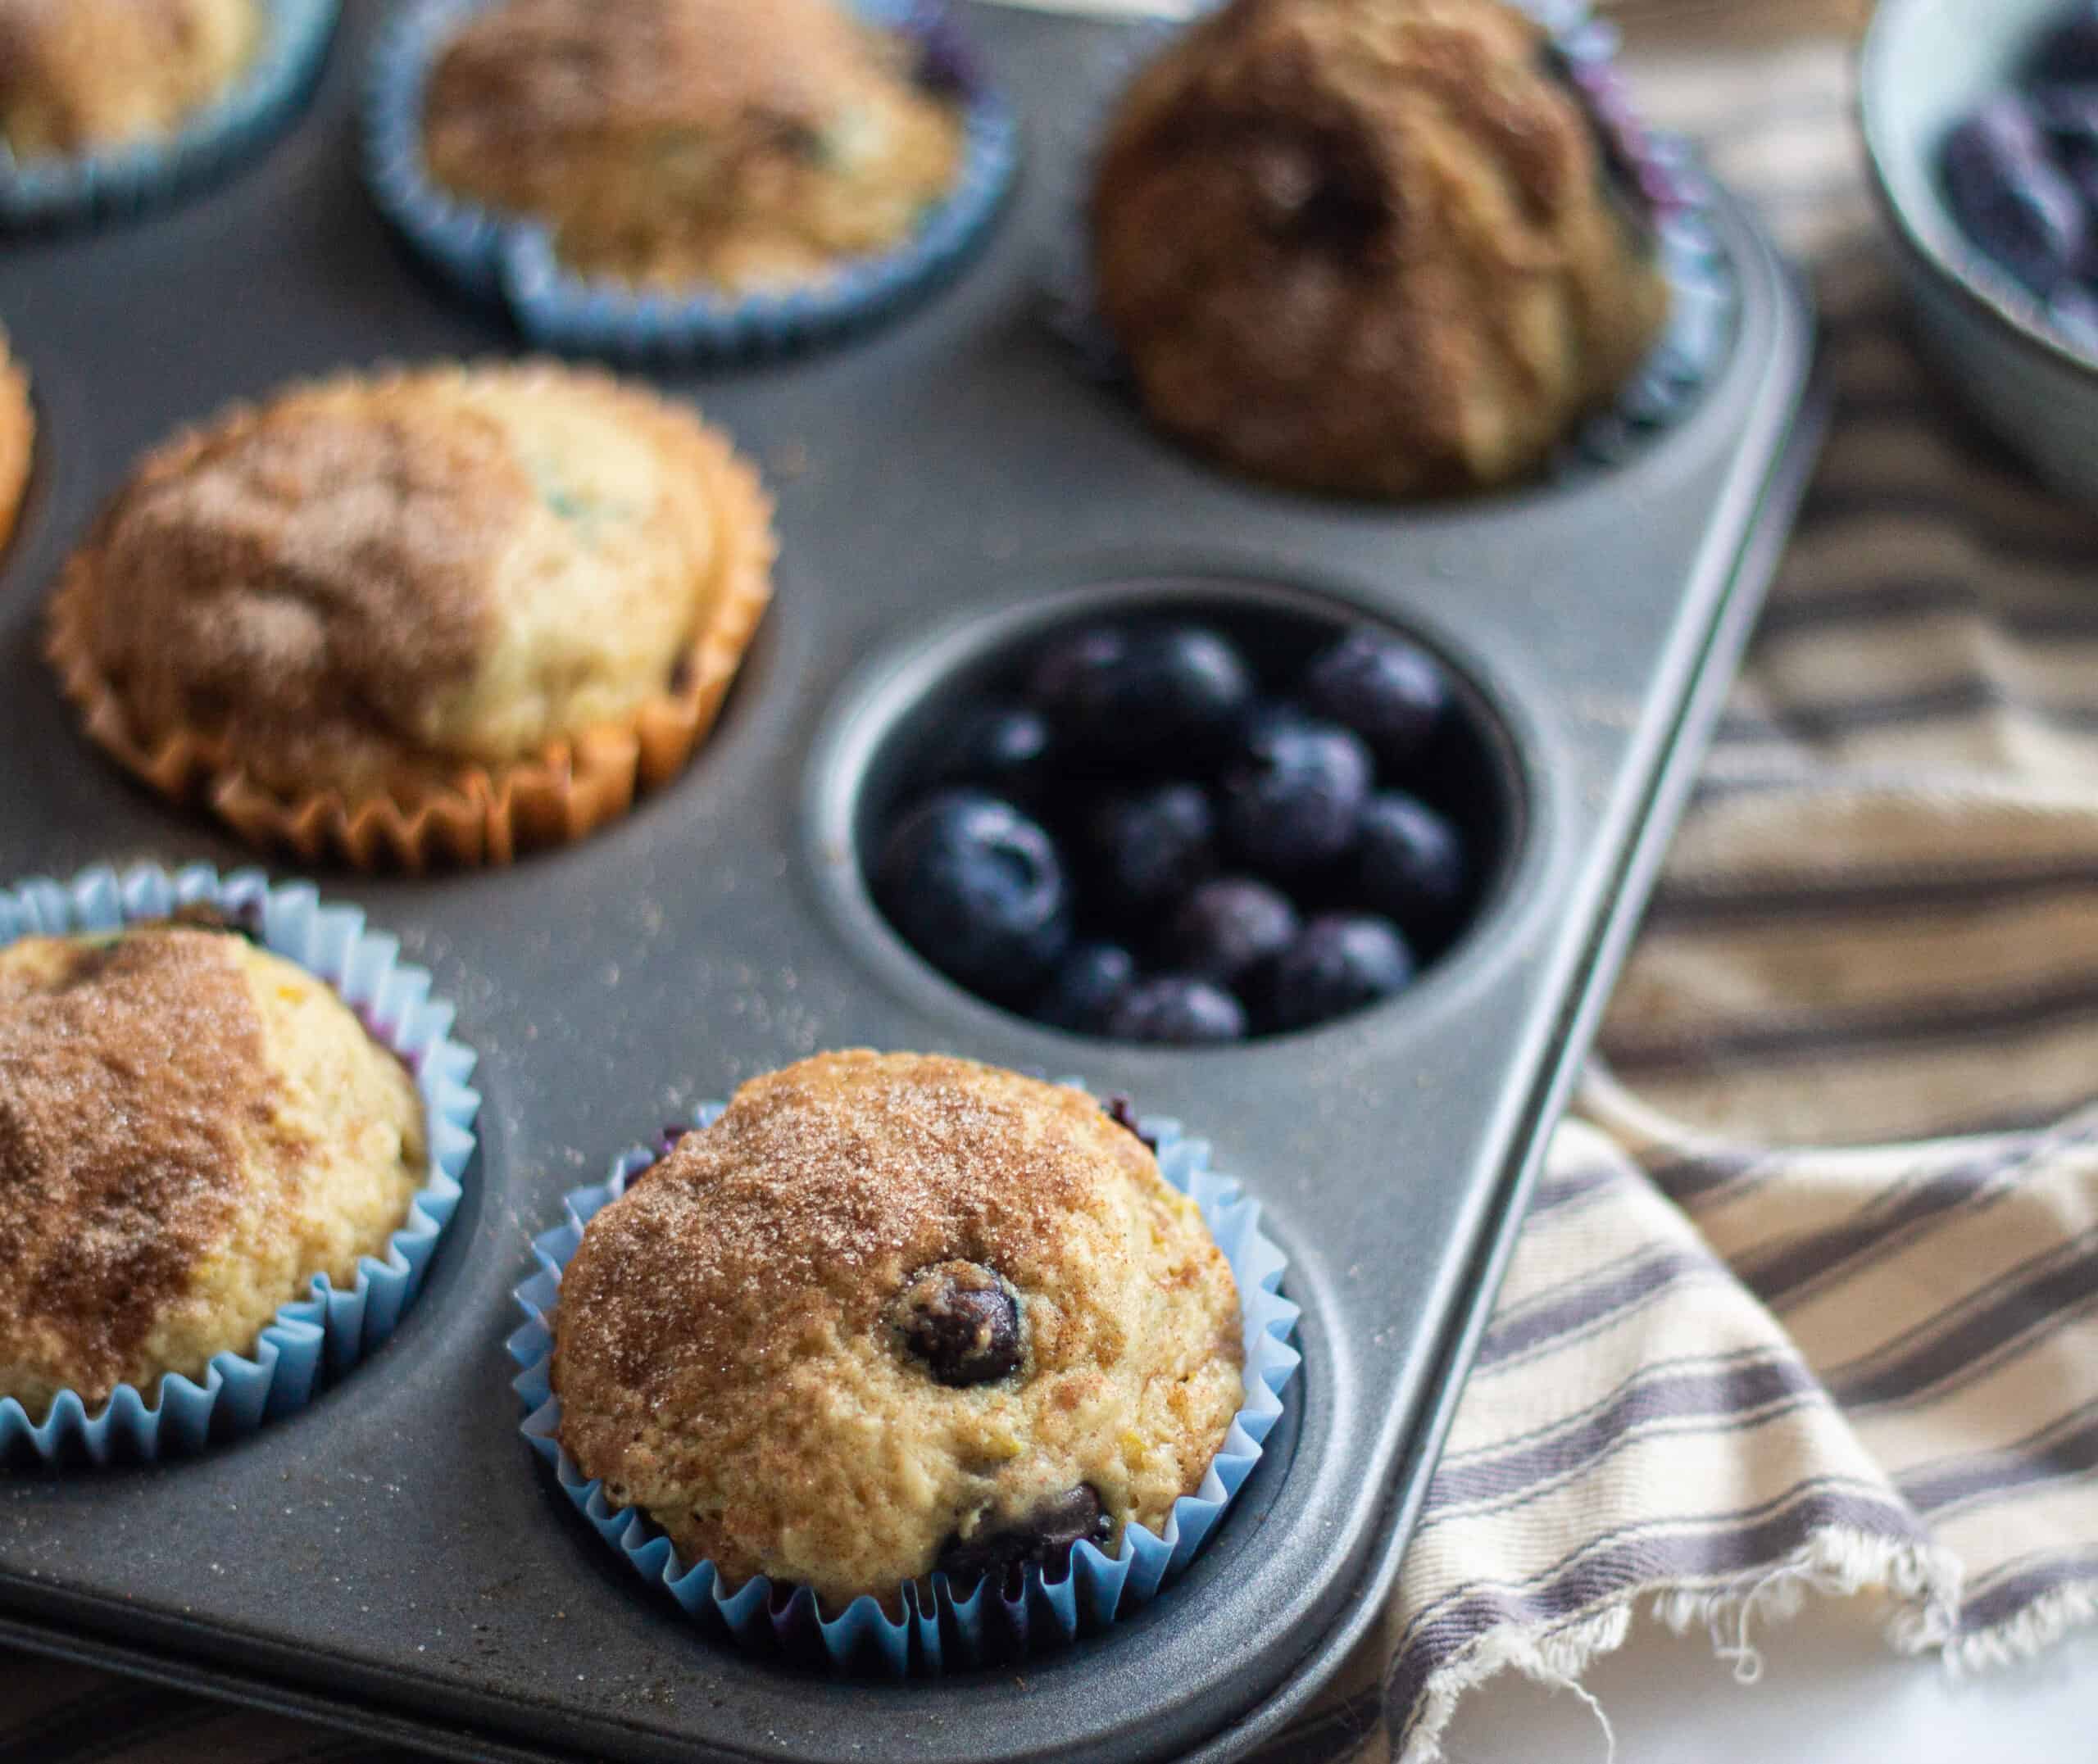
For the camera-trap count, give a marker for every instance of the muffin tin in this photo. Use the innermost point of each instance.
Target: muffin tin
(392, 1557)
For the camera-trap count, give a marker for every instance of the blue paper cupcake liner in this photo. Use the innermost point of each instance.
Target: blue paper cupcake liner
(120, 180)
(941, 1631)
(1702, 287)
(510, 259)
(317, 1339)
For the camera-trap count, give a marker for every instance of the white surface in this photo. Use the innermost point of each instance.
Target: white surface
(1832, 1692)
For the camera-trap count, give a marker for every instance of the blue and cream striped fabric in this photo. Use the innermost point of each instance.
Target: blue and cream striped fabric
(1809, 1301)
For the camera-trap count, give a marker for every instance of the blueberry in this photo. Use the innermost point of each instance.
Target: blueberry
(960, 1322)
(1044, 1538)
(1340, 963)
(2013, 202)
(2068, 50)
(1087, 985)
(1390, 693)
(2068, 120)
(1293, 797)
(1123, 1112)
(1151, 846)
(977, 889)
(1143, 693)
(1409, 863)
(1003, 747)
(1180, 1011)
(1226, 928)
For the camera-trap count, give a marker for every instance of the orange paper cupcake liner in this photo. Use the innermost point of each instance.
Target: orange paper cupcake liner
(429, 816)
(17, 439)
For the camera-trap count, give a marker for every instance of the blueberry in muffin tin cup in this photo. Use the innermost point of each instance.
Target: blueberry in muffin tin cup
(123, 180)
(511, 261)
(315, 1340)
(1702, 293)
(938, 1630)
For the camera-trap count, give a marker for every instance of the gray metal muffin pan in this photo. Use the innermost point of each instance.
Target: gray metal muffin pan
(394, 1558)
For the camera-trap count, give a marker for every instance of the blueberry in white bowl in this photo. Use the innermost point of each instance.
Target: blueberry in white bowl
(1977, 120)
(1189, 829)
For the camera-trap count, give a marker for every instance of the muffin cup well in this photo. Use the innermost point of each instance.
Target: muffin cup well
(114, 181)
(510, 259)
(438, 813)
(1702, 292)
(315, 1340)
(939, 1629)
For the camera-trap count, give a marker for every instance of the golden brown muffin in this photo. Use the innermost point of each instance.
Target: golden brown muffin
(191, 1128)
(1370, 246)
(443, 612)
(79, 75)
(897, 1312)
(740, 143)
(17, 439)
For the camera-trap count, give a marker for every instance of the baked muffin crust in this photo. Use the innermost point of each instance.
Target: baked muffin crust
(79, 75)
(190, 1128)
(786, 1341)
(742, 144)
(17, 439)
(1370, 246)
(367, 584)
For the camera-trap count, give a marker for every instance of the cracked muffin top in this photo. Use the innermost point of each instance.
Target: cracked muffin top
(1377, 248)
(896, 1313)
(741, 144)
(79, 75)
(191, 1128)
(369, 580)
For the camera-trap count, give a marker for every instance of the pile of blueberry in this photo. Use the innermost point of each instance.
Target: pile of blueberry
(1142, 839)
(2021, 175)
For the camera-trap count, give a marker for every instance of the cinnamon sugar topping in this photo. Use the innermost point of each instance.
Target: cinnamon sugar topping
(126, 1069)
(309, 576)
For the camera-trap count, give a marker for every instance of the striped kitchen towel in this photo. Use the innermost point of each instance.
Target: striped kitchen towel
(1809, 1298)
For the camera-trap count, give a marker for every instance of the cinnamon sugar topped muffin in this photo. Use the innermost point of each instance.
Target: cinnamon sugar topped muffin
(1380, 248)
(79, 75)
(896, 1313)
(742, 144)
(436, 587)
(190, 1129)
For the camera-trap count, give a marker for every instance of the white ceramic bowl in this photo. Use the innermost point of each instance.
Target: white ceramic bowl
(1926, 63)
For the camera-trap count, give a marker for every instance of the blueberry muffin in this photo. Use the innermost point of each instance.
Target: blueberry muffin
(443, 613)
(78, 75)
(17, 438)
(1377, 248)
(737, 144)
(896, 1313)
(191, 1128)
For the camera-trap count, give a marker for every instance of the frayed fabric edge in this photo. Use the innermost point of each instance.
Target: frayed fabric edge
(2036, 1628)
(1834, 1562)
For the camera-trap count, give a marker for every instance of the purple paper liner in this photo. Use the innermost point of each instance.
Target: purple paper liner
(316, 1340)
(510, 260)
(941, 1628)
(1703, 291)
(115, 181)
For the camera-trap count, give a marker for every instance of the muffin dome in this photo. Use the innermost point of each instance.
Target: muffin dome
(893, 1313)
(743, 144)
(402, 586)
(1378, 247)
(190, 1129)
(79, 75)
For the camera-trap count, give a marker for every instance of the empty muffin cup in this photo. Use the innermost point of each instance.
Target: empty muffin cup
(935, 1625)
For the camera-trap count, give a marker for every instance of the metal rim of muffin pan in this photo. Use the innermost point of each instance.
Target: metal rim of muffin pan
(393, 1559)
